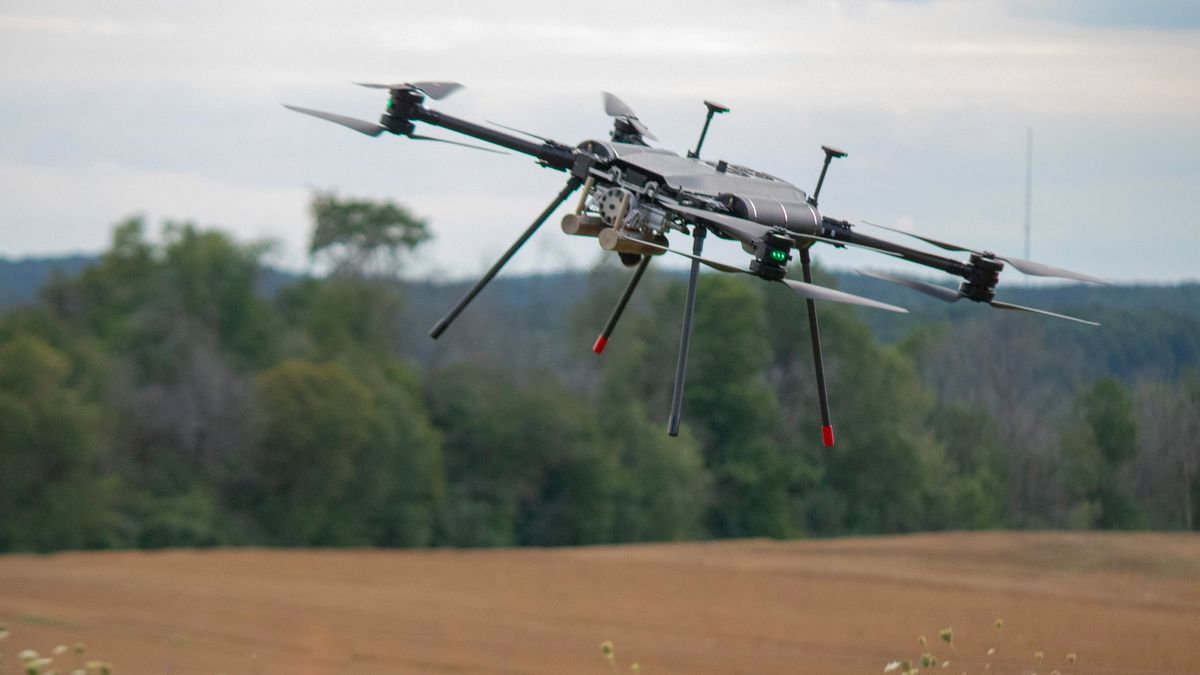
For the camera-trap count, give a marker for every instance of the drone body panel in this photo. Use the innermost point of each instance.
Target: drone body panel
(702, 177)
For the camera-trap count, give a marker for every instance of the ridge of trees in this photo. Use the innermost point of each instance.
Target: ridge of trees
(158, 398)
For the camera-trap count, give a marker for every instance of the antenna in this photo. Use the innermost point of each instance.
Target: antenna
(1028, 186)
(830, 155)
(713, 109)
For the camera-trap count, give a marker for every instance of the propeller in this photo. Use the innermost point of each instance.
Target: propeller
(806, 290)
(434, 90)
(520, 131)
(419, 137)
(952, 295)
(1025, 266)
(804, 239)
(615, 107)
(361, 126)
(746, 231)
(940, 292)
(372, 129)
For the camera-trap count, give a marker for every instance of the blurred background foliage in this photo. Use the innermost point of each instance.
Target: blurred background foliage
(178, 392)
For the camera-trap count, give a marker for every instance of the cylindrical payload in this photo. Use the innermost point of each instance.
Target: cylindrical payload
(800, 217)
(629, 242)
(582, 226)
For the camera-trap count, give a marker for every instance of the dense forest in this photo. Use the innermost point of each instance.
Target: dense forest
(176, 392)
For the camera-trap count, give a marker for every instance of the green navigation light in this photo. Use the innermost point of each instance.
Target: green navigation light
(778, 255)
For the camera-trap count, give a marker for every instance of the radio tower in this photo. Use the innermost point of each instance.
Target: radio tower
(1028, 185)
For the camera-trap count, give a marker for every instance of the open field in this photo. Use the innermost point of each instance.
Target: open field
(1125, 603)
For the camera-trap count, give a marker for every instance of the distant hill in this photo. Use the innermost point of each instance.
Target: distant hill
(20, 280)
(533, 322)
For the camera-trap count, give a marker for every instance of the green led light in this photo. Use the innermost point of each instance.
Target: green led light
(779, 255)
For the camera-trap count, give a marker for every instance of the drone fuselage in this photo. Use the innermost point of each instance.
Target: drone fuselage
(634, 195)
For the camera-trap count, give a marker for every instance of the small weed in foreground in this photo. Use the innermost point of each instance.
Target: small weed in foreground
(62, 660)
(606, 648)
(991, 666)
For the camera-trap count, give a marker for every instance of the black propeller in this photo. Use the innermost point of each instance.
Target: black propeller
(952, 295)
(434, 90)
(1026, 266)
(807, 290)
(374, 129)
(520, 131)
(615, 107)
(361, 126)
(419, 137)
(745, 231)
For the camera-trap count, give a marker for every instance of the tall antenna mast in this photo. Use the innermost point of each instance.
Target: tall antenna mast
(1028, 186)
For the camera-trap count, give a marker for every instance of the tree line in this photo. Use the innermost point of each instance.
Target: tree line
(159, 398)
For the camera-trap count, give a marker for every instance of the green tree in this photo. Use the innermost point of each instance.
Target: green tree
(1094, 452)
(1166, 471)
(360, 236)
(524, 460)
(347, 460)
(733, 411)
(486, 460)
(214, 282)
(886, 457)
(54, 493)
(662, 488)
(400, 477)
(152, 304)
(971, 490)
(107, 299)
(341, 317)
(317, 421)
(880, 475)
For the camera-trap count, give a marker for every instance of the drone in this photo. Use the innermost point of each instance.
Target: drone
(634, 196)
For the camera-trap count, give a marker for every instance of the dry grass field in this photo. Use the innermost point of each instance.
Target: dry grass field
(1125, 603)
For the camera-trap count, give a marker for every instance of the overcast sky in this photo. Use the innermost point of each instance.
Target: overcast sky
(171, 109)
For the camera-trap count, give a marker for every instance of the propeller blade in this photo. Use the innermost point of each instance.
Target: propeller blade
(615, 107)
(519, 131)
(741, 229)
(822, 293)
(434, 90)
(1008, 305)
(419, 137)
(1042, 270)
(952, 295)
(805, 289)
(1024, 266)
(361, 126)
(940, 292)
(642, 129)
(940, 244)
(803, 239)
(719, 266)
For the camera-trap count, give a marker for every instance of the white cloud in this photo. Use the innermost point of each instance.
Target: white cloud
(72, 208)
(172, 108)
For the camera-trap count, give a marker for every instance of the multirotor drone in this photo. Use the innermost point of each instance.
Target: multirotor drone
(634, 196)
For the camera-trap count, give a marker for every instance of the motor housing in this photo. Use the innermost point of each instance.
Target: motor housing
(771, 256)
(983, 273)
